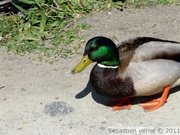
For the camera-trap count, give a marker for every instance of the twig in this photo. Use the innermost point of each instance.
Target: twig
(56, 3)
(2, 87)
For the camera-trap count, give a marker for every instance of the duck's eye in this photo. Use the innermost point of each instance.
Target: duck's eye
(95, 48)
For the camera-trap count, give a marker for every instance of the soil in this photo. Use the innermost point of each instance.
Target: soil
(38, 98)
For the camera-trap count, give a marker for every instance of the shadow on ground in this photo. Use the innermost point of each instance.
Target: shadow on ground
(103, 99)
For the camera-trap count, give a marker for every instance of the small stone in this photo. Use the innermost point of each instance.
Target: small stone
(23, 89)
(92, 126)
(102, 128)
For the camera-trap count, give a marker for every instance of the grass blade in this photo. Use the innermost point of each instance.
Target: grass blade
(21, 9)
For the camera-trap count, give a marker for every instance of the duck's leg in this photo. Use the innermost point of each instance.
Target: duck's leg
(155, 104)
(120, 104)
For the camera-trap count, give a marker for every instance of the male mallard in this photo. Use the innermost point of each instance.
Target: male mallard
(141, 66)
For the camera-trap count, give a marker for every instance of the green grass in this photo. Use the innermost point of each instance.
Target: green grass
(47, 21)
(148, 3)
(49, 27)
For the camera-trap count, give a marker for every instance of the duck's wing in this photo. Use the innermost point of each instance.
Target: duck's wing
(157, 50)
(147, 48)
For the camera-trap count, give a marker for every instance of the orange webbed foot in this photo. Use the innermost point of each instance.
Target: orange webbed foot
(120, 104)
(155, 104)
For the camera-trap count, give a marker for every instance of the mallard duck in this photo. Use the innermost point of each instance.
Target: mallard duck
(141, 66)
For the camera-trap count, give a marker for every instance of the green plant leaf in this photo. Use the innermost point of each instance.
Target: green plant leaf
(17, 37)
(27, 1)
(21, 9)
(29, 34)
(42, 22)
(27, 25)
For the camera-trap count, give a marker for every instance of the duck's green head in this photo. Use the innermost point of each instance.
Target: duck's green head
(101, 50)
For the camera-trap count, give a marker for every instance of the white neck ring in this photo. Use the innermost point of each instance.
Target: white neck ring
(103, 66)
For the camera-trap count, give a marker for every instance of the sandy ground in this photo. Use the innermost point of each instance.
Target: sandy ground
(46, 99)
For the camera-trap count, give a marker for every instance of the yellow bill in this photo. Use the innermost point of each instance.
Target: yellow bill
(82, 64)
